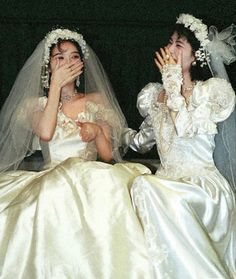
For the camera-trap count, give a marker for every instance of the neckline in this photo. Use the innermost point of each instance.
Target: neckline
(66, 116)
(190, 98)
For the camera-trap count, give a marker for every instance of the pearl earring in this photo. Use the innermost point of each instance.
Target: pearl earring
(77, 82)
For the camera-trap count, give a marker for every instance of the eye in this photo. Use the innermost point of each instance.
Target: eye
(60, 57)
(76, 56)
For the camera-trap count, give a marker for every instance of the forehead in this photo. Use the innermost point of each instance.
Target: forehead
(65, 47)
(177, 37)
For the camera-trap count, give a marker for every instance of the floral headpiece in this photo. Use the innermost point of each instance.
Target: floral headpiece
(200, 31)
(52, 38)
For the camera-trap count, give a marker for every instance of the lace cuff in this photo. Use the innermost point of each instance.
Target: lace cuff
(213, 101)
(172, 81)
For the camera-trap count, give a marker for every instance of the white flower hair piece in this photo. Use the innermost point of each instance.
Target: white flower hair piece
(52, 38)
(200, 31)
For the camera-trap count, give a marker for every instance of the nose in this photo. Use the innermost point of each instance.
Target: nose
(68, 59)
(64, 61)
(171, 48)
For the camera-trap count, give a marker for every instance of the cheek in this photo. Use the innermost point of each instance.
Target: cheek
(51, 67)
(187, 58)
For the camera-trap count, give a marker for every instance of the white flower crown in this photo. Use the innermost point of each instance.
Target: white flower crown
(200, 31)
(52, 38)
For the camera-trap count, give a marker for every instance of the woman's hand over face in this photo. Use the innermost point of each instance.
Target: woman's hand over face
(164, 57)
(66, 73)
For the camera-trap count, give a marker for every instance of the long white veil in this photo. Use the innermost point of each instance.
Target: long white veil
(17, 139)
(222, 49)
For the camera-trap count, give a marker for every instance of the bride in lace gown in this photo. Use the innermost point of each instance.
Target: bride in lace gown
(74, 218)
(187, 208)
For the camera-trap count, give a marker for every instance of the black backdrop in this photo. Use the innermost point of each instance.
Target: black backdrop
(124, 34)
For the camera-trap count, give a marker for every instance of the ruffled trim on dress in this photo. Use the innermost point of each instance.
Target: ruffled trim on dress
(102, 114)
(93, 113)
(219, 95)
(212, 102)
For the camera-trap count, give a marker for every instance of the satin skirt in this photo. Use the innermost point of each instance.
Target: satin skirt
(189, 225)
(71, 221)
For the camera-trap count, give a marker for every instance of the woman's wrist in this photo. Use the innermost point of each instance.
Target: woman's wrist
(99, 132)
(55, 86)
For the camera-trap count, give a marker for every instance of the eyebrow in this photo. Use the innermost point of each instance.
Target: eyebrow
(61, 52)
(180, 42)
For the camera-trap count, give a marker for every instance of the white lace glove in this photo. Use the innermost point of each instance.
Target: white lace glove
(172, 80)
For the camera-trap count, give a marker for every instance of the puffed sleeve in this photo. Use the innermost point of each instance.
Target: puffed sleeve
(212, 101)
(143, 140)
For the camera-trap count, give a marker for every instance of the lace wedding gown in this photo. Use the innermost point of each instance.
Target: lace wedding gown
(187, 208)
(75, 218)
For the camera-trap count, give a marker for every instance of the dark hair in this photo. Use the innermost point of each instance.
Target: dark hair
(197, 72)
(58, 45)
(61, 41)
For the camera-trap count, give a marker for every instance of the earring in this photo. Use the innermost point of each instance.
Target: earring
(45, 76)
(77, 82)
(194, 63)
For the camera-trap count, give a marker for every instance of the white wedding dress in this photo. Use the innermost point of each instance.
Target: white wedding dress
(187, 208)
(75, 218)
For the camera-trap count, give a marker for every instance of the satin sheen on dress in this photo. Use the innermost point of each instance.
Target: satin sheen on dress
(187, 208)
(72, 220)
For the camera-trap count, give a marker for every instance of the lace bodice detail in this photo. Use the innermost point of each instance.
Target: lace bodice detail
(67, 141)
(185, 146)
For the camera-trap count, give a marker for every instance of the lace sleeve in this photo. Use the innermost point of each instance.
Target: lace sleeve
(172, 81)
(102, 114)
(221, 99)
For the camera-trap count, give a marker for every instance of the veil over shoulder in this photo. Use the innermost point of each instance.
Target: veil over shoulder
(18, 116)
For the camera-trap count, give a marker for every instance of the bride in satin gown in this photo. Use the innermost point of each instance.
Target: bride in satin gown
(187, 209)
(73, 218)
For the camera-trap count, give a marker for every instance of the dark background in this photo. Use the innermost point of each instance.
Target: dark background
(124, 34)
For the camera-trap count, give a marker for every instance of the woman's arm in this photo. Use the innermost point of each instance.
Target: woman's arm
(100, 134)
(141, 141)
(44, 122)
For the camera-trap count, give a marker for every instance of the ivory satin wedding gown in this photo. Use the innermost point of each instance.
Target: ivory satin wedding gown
(74, 219)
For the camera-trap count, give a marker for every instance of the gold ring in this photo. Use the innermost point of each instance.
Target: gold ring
(167, 57)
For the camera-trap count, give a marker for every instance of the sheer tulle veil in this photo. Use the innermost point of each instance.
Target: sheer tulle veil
(222, 50)
(17, 116)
